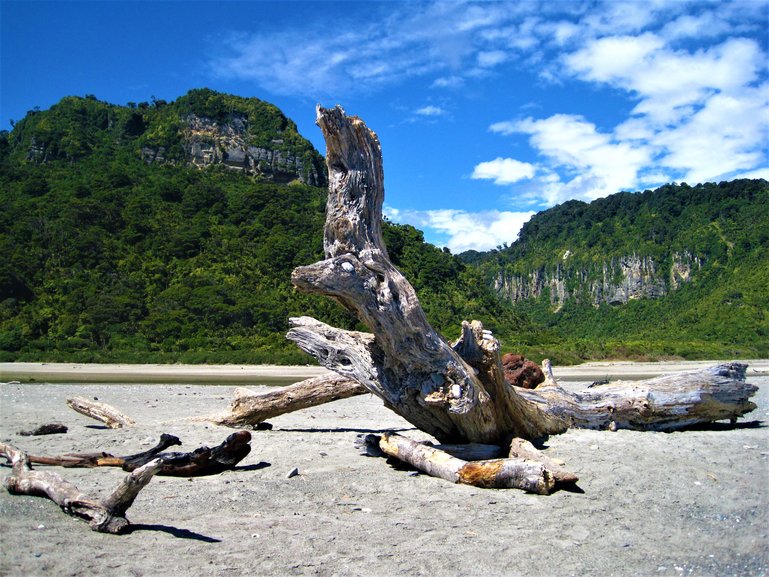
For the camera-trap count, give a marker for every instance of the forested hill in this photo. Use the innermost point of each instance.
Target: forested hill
(167, 231)
(202, 128)
(681, 270)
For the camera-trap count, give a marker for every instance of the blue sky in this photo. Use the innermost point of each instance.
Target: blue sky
(487, 112)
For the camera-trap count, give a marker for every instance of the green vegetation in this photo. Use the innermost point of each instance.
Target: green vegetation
(111, 256)
(722, 311)
(107, 258)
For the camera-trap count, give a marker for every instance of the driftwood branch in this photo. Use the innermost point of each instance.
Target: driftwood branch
(512, 472)
(666, 403)
(202, 461)
(249, 408)
(103, 515)
(103, 412)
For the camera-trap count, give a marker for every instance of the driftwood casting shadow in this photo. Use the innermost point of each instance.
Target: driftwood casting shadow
(174, 531)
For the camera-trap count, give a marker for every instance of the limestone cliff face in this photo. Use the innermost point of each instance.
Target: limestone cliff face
(207, 142)
(614, 281)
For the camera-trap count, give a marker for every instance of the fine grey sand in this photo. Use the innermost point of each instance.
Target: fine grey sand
(648, 504)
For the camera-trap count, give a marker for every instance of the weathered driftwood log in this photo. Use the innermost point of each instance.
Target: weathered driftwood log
(664, 403)
(500, 473)
(202, 461)
(406, 362)
(456, 393)
(103, 515)
(249, 408)
(103, 412)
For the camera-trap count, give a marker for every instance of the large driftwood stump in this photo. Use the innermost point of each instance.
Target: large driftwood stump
(458, 392)
(405, 362)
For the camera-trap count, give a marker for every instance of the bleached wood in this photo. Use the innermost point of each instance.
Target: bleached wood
(249, 408)
(103, 412)
(103, 515)
(665, 403)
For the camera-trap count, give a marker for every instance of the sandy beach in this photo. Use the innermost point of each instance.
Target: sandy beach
(125, 373)
(647, 504)
(282, 375)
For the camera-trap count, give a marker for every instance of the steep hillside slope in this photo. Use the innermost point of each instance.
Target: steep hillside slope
(679, 270)
(201, 128)
(168, 232)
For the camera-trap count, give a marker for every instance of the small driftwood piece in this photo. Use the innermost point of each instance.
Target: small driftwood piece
(106, 515)
(518, 473)
(665, 403)
(49, 429)
(249, 408)
(103, 412)
(200, 462)
(523, 449)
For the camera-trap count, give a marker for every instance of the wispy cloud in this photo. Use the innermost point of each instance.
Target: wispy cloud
(430, 110)
(440, 39)
(462, 230)
(448, 82)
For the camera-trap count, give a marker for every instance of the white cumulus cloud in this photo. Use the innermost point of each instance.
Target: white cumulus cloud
(504, 170)
(701, 113)
(597, 163)
(461, 230)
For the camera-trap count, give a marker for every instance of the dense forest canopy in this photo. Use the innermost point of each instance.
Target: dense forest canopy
(704, 251)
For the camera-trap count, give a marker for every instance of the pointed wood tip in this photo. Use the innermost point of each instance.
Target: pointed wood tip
(321, 112)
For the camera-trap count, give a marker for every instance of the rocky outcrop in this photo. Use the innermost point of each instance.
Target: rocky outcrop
(628, 278)
(684, 264)
(207, 142)
(615, 281)
(37, 152)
